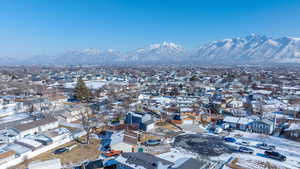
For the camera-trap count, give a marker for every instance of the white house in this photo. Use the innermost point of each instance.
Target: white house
(122, 146)
(29, 143)
(263, 126)
(58, 134)
(235, 104)
(241, 123)
(35, 126)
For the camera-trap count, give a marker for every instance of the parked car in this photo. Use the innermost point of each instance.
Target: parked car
(265, 146)
(246, 150)
(218, 130)
(229, 129)
(230, 139)
(275, 155)
(152, 142)
(112, 153)
(61, 150)
(243, 143)
(71, 147)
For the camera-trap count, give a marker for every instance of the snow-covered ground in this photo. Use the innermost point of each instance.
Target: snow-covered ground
(176, 154)
(89, 84)
(93, 84)
(290, 149)
(257, 160)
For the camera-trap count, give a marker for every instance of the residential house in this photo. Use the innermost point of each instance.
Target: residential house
(57, 134)
(35, 126)
(29, 143)
(126, 142)
(191, 163)
(235, 104)
(70, 113)
(240, 123)
(143, 120)
(8, 135)
(293, 132)
(263, 126)
(8, 106)
(140, 160)
(37, 104)
(19, 149)
(188, 120)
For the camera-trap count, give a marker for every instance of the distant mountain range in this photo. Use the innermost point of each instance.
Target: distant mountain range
(250, 49)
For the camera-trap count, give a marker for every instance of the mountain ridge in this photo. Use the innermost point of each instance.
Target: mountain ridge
(253, 48)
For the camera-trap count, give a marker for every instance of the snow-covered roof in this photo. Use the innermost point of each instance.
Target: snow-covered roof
(18, 148)
(162, 99)
(117, 137)
(186, 109)
(244, 120)
(238, 120)
(231, 119)
(262, 92)
(293, 126)
(30, 142)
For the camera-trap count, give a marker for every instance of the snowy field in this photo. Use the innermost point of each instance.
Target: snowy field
(95, 84)
(290, 149)
(257, 160)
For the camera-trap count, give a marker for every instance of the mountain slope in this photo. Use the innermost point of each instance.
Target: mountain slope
(253, 48)
(158, 52)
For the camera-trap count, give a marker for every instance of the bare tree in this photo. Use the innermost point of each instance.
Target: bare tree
(87, 123)
(126, 104)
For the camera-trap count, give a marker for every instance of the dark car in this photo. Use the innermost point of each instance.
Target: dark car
(152, 142)
(230, 139)
(275, 155)
(61, 150)
(265, 146)
(246, 150)
(229, 129)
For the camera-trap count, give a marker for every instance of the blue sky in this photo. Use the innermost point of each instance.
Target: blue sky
(30, 27)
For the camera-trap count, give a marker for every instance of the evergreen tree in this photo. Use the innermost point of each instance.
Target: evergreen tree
(82, 93)
(194, 78)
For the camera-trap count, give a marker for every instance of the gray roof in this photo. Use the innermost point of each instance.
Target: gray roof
(149, 122)
(35, 101)
(190, 164)
(145, 160)
(14, 123)
(34, 124)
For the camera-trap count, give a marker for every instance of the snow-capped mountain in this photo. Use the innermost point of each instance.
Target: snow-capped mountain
(253, 48)
(250, 49)
(158, 52)
(85, 56)
(88, 56)
(168, 52)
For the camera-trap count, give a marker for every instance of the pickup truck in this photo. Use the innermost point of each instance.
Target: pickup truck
(275, 155)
